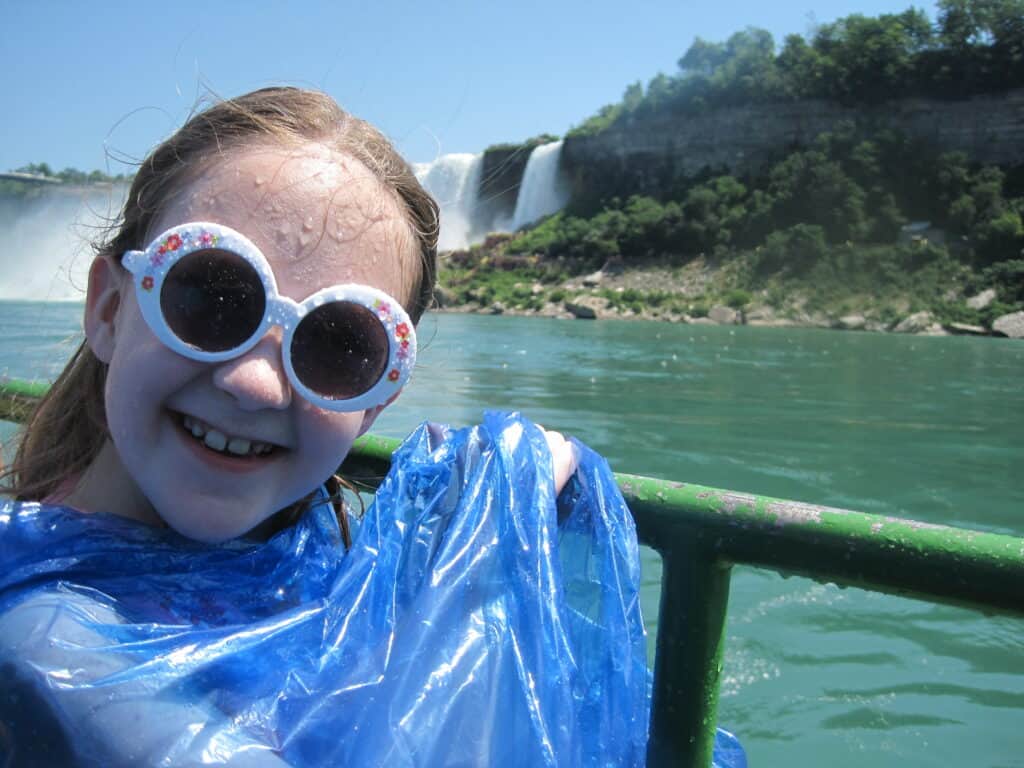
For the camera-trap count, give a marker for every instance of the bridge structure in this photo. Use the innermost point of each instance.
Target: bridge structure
(29, 178)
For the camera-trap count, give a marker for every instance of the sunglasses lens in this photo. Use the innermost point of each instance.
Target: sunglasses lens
(340, 350)
(213, 300)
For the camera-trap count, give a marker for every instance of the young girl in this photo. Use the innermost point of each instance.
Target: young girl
(184, 593)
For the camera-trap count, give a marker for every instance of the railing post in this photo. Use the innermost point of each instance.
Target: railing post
(688, 657)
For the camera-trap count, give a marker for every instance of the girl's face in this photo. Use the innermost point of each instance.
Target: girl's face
(320, 218)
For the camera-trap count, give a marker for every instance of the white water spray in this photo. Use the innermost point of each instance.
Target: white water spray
(454, 181)
(46, 253)
(543, 190)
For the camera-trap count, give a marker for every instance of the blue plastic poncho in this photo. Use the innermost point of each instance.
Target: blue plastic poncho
(474, 622)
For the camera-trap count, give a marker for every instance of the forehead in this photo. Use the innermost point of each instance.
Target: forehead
(319, 216)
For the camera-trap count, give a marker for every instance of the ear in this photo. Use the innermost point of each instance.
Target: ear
(102, 301)
(371, 414)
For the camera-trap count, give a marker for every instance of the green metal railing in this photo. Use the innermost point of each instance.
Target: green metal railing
(701, 533)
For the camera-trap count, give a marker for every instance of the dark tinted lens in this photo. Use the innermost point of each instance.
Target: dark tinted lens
(340, 350)
(213, 300)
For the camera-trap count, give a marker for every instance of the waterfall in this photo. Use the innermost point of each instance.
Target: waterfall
(543, 190)
(454, 181)
(46, 253)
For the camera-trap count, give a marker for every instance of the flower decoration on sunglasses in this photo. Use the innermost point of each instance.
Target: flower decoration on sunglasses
(209, 294)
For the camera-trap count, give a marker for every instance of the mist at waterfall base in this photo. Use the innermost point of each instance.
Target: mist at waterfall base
(47, 240)
(467, 217)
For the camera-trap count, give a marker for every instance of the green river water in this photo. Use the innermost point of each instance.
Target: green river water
(926, 428)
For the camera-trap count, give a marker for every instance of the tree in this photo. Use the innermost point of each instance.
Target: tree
(703, 58)
(872, 59)
(659, 92)
(37, 169)
(809, 187)
(959, 24)
(633, 97)
(792, 251)
(801, 69)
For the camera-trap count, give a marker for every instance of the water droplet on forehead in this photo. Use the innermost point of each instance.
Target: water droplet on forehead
(259, 182)
(307, 225)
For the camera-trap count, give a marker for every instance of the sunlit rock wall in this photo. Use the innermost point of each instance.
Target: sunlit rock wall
(650, 155)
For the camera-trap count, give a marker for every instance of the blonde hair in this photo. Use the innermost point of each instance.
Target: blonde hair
(68, 428)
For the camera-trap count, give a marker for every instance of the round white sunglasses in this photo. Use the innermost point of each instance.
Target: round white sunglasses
(208, 293)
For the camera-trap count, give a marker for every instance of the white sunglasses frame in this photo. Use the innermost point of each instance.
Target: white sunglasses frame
(151, 266)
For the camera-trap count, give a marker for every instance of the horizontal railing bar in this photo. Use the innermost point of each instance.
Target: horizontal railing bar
(939, 563)
(18, 398)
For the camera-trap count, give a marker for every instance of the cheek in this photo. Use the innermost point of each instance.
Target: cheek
(141, 376)
(327, 436)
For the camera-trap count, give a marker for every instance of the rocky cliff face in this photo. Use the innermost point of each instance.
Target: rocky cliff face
(502, 172)
(645, 155)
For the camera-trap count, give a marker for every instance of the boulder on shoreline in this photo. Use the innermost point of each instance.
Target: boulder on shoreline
(921, 323)
(723, 315)
(965, 329)
(766, 317)
(983, 299)
(588, 307)
(854, 322)
(1011, 325)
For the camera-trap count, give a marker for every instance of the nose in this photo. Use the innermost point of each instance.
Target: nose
(256, 379)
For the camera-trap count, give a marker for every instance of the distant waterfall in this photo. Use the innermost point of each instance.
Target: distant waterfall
(46, 254)
(454, 181)
(543, 190)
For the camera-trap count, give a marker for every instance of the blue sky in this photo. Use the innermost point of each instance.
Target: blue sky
(83, 79)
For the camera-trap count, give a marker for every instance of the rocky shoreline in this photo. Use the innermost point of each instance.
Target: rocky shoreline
(593, 298)
(919, 323)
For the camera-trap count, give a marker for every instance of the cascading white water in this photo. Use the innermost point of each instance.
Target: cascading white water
(454, 181)
(543, 190)
(46, 253)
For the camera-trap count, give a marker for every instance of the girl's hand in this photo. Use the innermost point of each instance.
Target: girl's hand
(563, 455)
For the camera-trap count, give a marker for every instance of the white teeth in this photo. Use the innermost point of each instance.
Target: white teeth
(216, 440)
(239, 446)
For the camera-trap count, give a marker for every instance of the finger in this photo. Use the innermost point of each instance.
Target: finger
(563, 458)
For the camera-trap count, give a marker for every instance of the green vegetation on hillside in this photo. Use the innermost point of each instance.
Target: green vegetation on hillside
(830, 222)
(976, 46)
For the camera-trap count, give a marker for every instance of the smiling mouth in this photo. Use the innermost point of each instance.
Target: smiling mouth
(218, 442)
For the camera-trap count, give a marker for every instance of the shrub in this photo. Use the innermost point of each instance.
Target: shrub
(1008, 279)
(793, 250)
(738, 298)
